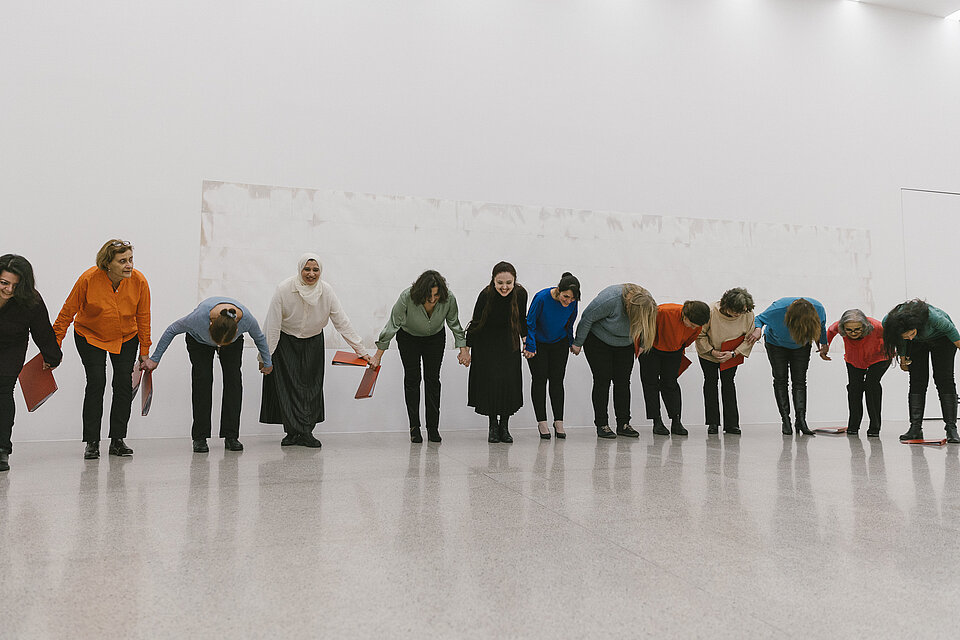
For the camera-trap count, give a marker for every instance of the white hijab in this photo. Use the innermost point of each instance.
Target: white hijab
(309, 292)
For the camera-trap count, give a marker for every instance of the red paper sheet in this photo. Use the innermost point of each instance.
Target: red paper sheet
(36, 383)
(684, 364)
(935, 443)
(369, 381)
(831, 430)
(730, 345)
(348, 358)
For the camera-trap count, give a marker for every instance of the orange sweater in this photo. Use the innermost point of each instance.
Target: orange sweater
(672, 334)
(107, 318)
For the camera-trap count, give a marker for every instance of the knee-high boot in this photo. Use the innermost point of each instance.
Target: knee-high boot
(783, 405)
(948, 404)
(800, 407)
(915, 403)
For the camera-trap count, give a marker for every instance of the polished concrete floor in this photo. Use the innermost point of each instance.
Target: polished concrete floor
(372, 537)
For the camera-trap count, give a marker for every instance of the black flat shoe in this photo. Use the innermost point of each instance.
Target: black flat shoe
(433, 434)
(91, 451)
(119, 448)
(627, 431)
(4, 461)
(415, 435)
(233, 444)
(200, 445)
(289, 440)
(713, 429)
(873, 433)
(732, 430)
(308, 440)
(605, 433)
(677, 428)
(853, 432)
(659, 428)
(561, 435)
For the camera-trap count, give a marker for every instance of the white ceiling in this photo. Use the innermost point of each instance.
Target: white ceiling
(939, 8)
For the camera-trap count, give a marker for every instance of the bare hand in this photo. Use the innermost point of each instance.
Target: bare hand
(529, 354)
(366, 357)
(464, 356)
(575, 350)
(266, 370)
(149, 365)
(47, 366)
(824, 349)
(375, 360)
(753, 336)
(725, 355)
(905, 363)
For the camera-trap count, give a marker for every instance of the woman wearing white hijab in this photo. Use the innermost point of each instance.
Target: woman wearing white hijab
(301, 307)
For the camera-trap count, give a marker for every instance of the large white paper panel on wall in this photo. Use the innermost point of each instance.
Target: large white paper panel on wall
(374, 246)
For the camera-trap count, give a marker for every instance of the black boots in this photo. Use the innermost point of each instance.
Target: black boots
(415, 436)
(232, 444)
(948, 404)
(494, 435)
(4, 461)
(92, 451)
(118, 448)
(800, 407)
(659, 428)
(677, 428)
(915, 403)
(433, 434)
(504, 431)
(782, 396)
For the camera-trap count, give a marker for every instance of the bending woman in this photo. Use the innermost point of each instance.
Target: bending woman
(791, 325)
(499, 321)
(923, 335)
(618, 325)
(417, 320)
(301, 307)
(111, 304)
(549, 342)
(217, 325)
(867, 361)
(22, 314)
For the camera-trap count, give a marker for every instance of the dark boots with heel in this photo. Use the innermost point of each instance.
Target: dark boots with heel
(948, 404)
(800, 407)
(915, 403)
(782, 396)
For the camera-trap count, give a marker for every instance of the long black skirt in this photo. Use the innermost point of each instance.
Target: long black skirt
(293, 393)
(495, 387)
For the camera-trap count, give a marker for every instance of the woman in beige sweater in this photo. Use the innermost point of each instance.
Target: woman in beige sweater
(731, 319)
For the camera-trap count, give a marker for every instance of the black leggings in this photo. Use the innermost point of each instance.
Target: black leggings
(7, 412)
(728, 391)
(609, 364)
(941, 354)
(865, 381)
(429, 350)
(94, 361)
(201, 359)
(659, 371)
(550, 364)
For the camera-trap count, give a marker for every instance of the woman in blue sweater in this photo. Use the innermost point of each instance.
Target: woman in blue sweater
(549, 342)
(216, 326)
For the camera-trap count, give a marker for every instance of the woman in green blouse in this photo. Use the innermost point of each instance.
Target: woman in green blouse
(417, 320)
(923, 335)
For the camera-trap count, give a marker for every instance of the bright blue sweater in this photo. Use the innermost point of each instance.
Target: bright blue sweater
(548, 321)
(776, 332)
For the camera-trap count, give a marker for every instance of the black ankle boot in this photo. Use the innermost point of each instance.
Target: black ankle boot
(677, 428)
(119, 448)
(659, 428)
(782, 396)
(433, 434)
(415, 435)
(948, 404)
(915, 405)
(494, 435)
(800, 407)
(504, 430)
(92, 451)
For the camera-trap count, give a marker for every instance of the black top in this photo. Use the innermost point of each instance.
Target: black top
(496, 334)
(16, 322)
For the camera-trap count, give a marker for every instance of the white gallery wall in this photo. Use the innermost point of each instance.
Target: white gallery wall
(812, 113)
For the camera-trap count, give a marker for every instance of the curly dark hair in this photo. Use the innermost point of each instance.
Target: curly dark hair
(24, 292)
(736, 300)
(420, 290)
(906, 316)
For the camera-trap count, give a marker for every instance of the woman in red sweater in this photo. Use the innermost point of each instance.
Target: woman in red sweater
(867, 361)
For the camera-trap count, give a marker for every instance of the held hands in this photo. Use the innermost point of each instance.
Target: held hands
(464, 356)
(905, 363)
(575, 350)
(529, 354)
(149, 365)
(753, 336)
(265, 370)
(47, 366)
(374, 360)
(723, 356)
(824, 349)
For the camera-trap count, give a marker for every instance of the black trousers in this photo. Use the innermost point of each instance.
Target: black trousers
(865, 381)
(549, 365)
(415, 350)
(201, 373)
(94, 361)
(941, 354)
(728, 391)
(609, 364)
(7, 411)
(659, 371)
(788, 365)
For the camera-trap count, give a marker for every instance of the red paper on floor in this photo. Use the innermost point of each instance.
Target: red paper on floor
(36, 383)
(352, 359)
(369, 381)
(935, 443)
(831, 430)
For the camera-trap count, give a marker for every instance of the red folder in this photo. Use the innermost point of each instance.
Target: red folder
(369, 381)
(684, 363)
(36, 383)
(935, 443)
(352, 359)
(146, 393)
(730, 345)
(831, 430)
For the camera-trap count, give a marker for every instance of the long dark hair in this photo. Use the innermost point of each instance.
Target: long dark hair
(420, 290)
(24, 292)
(490, 295)
(906, 316)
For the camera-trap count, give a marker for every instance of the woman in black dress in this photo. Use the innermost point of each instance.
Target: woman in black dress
(494, 336)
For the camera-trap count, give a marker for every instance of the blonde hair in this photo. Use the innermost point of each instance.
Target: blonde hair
(802, 322)
(642, 311)
(109, 251)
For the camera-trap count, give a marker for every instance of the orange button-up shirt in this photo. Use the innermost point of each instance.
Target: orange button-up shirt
(672, 334)
(107, 318)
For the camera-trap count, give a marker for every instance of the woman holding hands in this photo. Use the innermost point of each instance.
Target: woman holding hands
(866, 359)
(110, 309)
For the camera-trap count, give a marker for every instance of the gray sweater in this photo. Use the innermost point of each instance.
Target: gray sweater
(606, 317)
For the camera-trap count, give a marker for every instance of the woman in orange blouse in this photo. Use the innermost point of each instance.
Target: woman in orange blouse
(111, 304)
